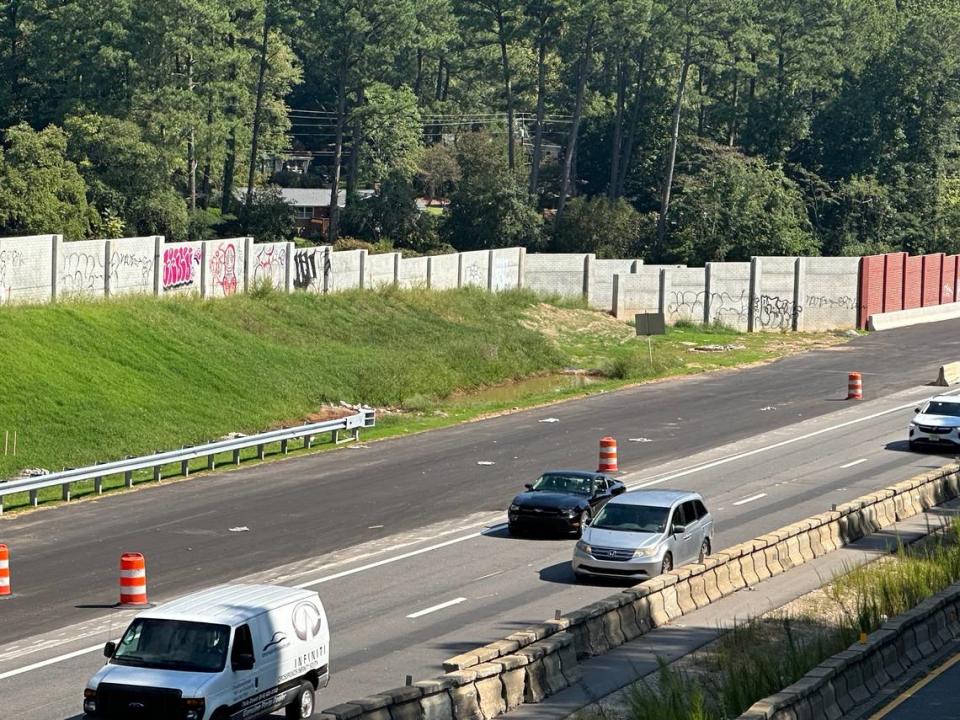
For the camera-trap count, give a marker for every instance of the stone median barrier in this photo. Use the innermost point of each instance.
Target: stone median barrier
(529, 665)
(850, 680)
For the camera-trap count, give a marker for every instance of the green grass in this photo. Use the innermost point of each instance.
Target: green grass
(96, 381)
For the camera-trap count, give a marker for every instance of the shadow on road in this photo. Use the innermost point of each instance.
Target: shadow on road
(562, 574)
(904, 446)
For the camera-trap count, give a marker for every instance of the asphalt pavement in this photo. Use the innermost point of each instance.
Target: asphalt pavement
(393, 536)
(933, 698)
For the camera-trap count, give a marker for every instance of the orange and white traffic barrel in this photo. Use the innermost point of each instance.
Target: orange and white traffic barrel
(855, 387)
(608, 455)
(133, 579)
(4, 570)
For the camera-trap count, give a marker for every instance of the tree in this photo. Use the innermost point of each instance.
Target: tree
(391, 132)
(736, 207)
(489, 208)
(438, 171)
(607, 228)
(40, 190)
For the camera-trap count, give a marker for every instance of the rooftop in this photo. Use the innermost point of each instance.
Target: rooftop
(227, 604)
(655, 498)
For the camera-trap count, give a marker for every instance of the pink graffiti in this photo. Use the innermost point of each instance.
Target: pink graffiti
(223, 265)
(178, 264)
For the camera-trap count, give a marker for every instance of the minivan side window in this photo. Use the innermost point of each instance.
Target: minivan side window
(242, 643)
(678, 516)
(690, 511)
(701, 510)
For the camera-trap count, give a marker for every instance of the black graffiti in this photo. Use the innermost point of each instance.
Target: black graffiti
(724, 307)
(305, 268)
(774, 312)
(843, 302)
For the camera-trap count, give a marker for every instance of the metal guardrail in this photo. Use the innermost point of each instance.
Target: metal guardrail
(364, 419)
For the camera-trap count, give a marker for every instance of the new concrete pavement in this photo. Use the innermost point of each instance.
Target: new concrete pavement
(397, 530)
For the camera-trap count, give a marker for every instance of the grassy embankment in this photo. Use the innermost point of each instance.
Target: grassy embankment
(95, 381)
(762, 656)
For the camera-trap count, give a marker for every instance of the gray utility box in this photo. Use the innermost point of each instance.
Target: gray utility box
(651, 324)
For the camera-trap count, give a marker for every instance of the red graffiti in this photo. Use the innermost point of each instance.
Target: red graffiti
(223, 266)
(178, 266)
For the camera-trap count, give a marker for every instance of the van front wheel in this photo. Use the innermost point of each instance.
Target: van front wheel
(302, 707)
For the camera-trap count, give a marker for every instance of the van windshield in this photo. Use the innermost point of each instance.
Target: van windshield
(631, 518)
(174, 645)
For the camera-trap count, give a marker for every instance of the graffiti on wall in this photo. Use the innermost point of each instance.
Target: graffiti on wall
(270, 264)
(81, 272)
(10, 261)
(136, 269)
(730, 309)
(180, 267)
(223, 268)
(473, 274)
(842, 302)
(686, 303)
(771, 312)
(305, 268)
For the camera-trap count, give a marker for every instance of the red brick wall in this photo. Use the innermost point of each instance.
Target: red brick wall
(948, 279)
(932, 266)
(893, 282)
(913, 283)
(871, 287)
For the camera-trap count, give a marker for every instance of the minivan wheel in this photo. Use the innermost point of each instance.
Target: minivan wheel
(667, 564)
(704, 550)
(302, 707)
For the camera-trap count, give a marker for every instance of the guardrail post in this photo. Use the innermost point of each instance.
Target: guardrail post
(236, 457)
(157, 471)
(1, 505)
(185, 464)
(98, 484)
(128, 476)
(307, 441)
(211, 463)
(66, 492)
(260, 451)
(283, 446)
(33, 498)
(335, 437)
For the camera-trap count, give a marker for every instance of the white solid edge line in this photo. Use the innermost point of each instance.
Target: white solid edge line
(855, 462)
(51, 661)
(750, 499)
(774, 446)
(441, 606)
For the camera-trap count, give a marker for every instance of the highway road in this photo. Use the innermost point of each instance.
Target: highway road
(932, 698)
(395, 536)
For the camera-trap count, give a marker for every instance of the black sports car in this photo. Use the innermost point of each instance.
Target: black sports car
(562, 501)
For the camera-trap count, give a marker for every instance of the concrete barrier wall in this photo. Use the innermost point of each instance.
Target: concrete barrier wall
(226, 267)
(475, 269)
(637, 292)
(728, 294)
(852, 680)
(26, 269)
(538, 661)
(82, 269)
(600, 288)
(830, 291)
(414, 273)
(181, 268)
(506, 269)
(444, 272)
(381, 270)
(310, 266)
(555, 274)
(136, 266)
(273, 263)
(346, 270)
(774, 293)
(684, 294)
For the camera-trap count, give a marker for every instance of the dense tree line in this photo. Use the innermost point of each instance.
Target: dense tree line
(689, 130)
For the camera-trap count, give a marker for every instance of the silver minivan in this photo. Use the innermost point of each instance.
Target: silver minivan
(641, 534)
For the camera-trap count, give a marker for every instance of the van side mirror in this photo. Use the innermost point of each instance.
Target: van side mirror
(679, 529)
(109, 649)
(243, 661)
(528, 486)
(619, 489)
(916, 410)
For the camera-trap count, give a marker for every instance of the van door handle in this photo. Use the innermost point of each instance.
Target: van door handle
(687, 537)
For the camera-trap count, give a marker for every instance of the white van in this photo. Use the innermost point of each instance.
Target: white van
(234, 651)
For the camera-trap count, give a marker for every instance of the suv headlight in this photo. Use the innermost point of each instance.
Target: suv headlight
(514, 507)
(572, 512)
(89, 701)
(645, 552)
(583, 547)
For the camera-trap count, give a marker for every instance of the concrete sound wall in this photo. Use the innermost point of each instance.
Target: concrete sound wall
(413, 272)
(310, 267)
(728, 294)
(346, 270)
(637, 292)
(555, 274)
(82, 269)
(181, 268)
(444, 272)
(475, 268)
(506, 268)
(272, 262)
(381, 270)
(684, 294)
(830, 290)
(226, 266)
(600, 289)
(26, 268)
(775, 304)
(136, 266)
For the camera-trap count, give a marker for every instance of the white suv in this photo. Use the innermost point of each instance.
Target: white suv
(937, 423)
